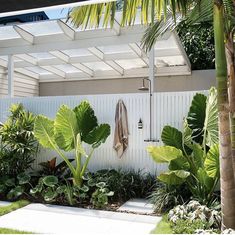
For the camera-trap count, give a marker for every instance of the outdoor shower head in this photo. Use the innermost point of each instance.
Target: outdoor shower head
(143, 87)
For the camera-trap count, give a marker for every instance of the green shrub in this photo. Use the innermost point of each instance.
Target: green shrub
(164, 197)
(126, 184)
(187, 226)
(18, 144)
(193, 154)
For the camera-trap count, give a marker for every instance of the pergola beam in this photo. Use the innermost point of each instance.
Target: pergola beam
(68, 31)
(24, 34)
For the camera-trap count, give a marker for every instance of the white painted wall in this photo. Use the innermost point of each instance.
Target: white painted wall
(24, 86)
(169, 108)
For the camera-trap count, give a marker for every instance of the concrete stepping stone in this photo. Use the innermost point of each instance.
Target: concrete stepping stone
(4, 203)
(141, 206)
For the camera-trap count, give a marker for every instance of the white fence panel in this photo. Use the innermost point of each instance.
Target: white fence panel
(169, 108)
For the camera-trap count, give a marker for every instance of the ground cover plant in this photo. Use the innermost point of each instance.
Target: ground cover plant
(193, 154)
(190, 218)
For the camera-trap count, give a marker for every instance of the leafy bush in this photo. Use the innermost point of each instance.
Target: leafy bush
(99, 198)
(193, 154)
(14, 187)
(50, 189)
(187, 226)
(68, 132)
(194, 211)
(198, 42)
(18, 144)
(125, 184)
(164, 197)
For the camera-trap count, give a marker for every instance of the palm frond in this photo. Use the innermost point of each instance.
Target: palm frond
(158, 29)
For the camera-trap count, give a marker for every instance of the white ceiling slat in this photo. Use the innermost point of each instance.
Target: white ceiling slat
(24, 34)
(139, 52)
(100, 55)
(54, 70)
(66, 59)
(60, 55)
(115, 66)
(68, 31)
(84, 69)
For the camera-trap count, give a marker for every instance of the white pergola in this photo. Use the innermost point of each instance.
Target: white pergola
(56, 51)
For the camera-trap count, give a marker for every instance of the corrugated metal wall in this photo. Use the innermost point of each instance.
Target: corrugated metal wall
(24, 86)
(169, 108)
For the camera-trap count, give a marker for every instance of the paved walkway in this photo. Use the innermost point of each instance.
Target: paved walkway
(41, 218)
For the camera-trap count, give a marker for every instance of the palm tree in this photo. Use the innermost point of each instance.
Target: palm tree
(158, 14)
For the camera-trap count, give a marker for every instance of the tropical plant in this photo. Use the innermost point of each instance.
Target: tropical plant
(125, 184)
(164, 197)
(193, 216)
(68, 132)
(51, 168)
(195, 164)
(14, 187)
(18, 144)
(161, 14)
(99, 198)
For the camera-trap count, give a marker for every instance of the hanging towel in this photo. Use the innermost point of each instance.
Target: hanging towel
(121, 129)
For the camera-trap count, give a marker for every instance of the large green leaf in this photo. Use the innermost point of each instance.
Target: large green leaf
(50, 180)
(179, 163)
(98, 135)
(86, 119)
(23, 178)
(15, 192)
(172, 137)
(174, 177)
(198, 155)
(44, 131)
(196, 116)
(211, 118)
(212, 162)
(204, 179)
(66, 128)
(187, 135)
(164, 154)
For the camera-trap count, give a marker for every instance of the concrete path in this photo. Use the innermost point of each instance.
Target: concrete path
(41, 218)
(138, 206)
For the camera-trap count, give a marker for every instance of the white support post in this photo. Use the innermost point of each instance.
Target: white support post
(10, 75)
(151, 77)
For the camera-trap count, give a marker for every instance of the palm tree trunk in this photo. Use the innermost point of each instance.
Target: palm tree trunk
(231, 89)
(226, 169)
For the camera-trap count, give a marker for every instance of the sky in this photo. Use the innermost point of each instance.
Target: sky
(57, 13)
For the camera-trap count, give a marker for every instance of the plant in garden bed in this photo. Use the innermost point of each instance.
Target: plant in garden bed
(68, 132)
(13, 188)
(193, 154)
(18, 144)
(51, 190)
(125, 184)
(51, 168)
(193, 216)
